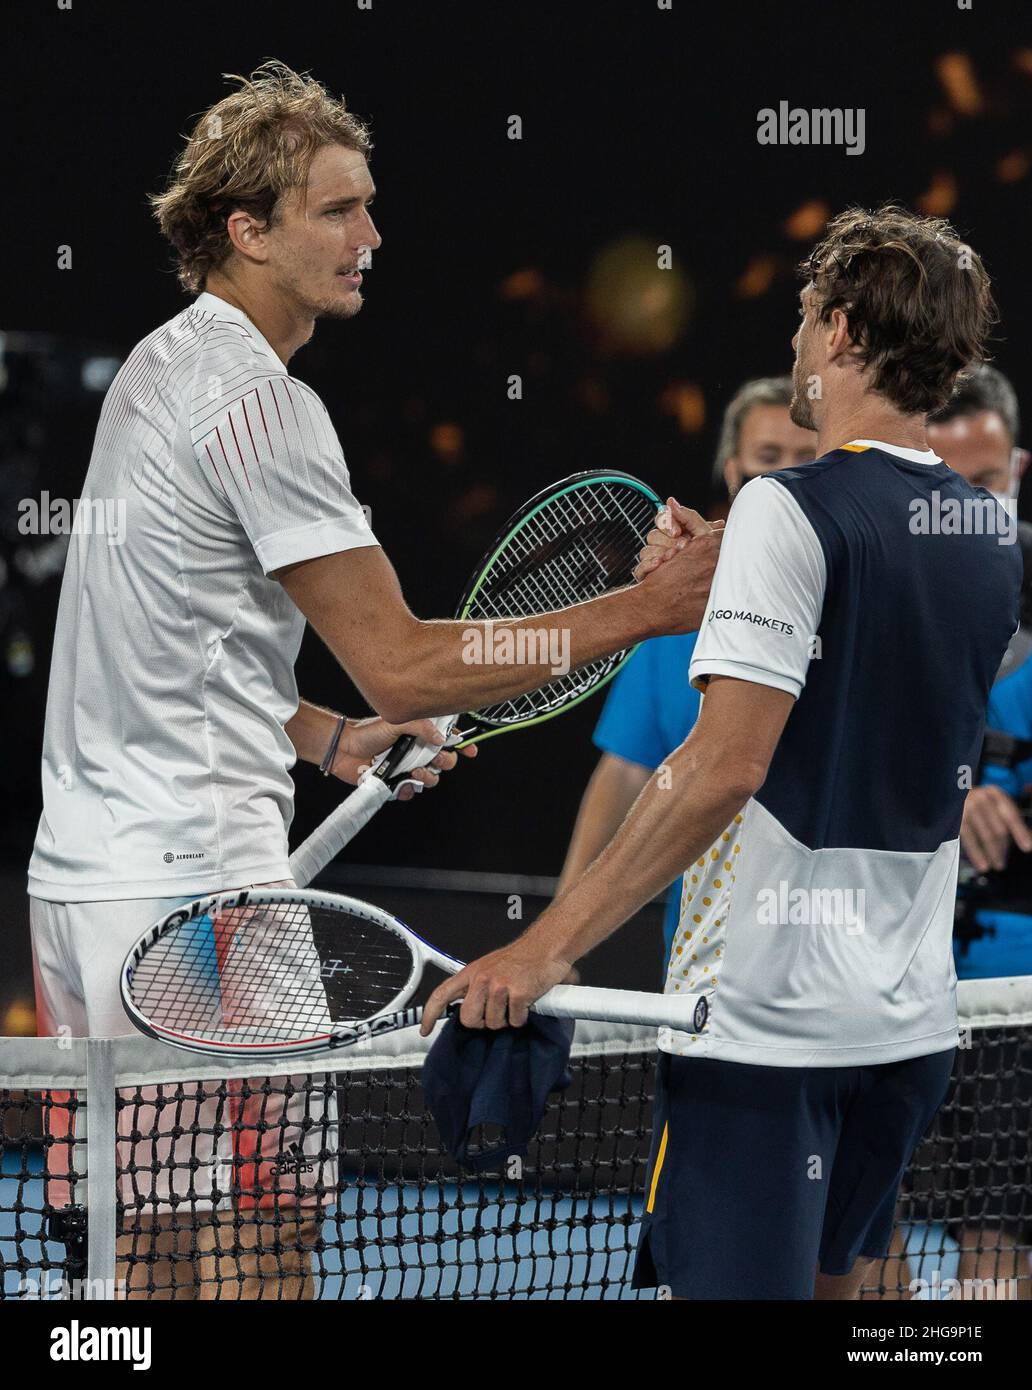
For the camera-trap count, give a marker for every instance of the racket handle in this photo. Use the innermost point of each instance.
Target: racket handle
(337, 829)
(393, 758)
(686, 1012)
(410, 753)
(356, 810)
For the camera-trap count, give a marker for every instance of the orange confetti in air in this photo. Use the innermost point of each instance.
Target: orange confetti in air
(1022, 60)
(1013, 167)
(757, 277)
(18, 1019)
(808, 221)
(959, 82)
(446, 440)
(637, 299)
(685, 401)
(522, 284)
(940, 197)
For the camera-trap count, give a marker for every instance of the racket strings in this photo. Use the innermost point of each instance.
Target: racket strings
(568, 528)
(274, 973)
(580, 533)
(596, 572)
(554, 585)
(576, 547)
(570, 515)
(553, 579)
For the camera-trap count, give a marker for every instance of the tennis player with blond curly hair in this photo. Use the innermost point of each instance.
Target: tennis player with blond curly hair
(173, 717)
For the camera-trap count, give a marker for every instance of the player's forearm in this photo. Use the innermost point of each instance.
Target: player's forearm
(609, 795)
(674, 821)
(310, 731)
(458, 665)
(409, 669)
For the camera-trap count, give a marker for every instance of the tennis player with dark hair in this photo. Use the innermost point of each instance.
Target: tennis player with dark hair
(173, 717)
(815, 806)
(652, 705)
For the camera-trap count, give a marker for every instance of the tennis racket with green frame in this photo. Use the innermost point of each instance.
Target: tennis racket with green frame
(571, 542)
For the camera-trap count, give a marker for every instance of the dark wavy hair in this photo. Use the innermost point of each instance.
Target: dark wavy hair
(917, 299)
(243, 153)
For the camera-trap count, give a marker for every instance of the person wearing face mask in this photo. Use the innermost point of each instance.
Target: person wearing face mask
(976, 434)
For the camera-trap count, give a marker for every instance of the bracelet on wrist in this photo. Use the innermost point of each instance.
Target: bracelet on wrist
(326, 766)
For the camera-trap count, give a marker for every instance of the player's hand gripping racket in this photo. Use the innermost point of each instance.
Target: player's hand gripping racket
(572, 542)
(288, 972)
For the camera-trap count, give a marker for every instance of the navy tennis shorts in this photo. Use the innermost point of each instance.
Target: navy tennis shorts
(758, 1175)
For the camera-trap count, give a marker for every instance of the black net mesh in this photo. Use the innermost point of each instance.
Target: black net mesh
(968, 1192)
(42, 1193)
(337, 1188)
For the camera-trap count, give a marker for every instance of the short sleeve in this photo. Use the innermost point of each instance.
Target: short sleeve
(274, 456)
(1010, 711)
(629, 726)
(767, 594)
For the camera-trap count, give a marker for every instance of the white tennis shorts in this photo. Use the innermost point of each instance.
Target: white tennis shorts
(260, 1143)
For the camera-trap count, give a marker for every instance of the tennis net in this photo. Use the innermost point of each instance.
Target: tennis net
(380, 1211)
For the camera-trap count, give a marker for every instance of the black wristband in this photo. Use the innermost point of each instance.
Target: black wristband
(331, 752)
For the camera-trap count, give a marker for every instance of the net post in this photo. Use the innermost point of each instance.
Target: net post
(101, 1176)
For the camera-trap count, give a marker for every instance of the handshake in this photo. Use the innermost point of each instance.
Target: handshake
(679, 557)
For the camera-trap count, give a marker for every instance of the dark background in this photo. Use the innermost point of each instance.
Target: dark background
(637, 121)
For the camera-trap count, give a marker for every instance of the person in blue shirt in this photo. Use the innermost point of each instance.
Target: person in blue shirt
(651, 706)
(976, 435)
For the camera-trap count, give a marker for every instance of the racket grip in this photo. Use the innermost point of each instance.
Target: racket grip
(686, 1012)
(410, 753)
(388, 766)
(337, 829)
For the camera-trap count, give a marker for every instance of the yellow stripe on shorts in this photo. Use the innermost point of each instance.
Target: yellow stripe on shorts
(658, 1169)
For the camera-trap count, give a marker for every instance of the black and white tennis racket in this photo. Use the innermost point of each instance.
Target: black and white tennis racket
(572, 542)
(280, 972)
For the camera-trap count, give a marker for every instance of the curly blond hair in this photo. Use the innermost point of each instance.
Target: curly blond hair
(243, 154)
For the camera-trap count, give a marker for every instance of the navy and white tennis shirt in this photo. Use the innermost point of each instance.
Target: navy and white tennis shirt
(881, 589)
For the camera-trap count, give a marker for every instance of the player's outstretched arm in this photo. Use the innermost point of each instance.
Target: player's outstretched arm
(410, 669)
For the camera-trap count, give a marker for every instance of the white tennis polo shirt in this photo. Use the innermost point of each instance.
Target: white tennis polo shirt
(165, 760)
(819, 923)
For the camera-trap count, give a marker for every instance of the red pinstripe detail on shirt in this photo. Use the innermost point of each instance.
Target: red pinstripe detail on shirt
(222, 446)
(236, 441)
(216, 468)
(275, 400)
(290, 398)
(250, 435)
(286, 437)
